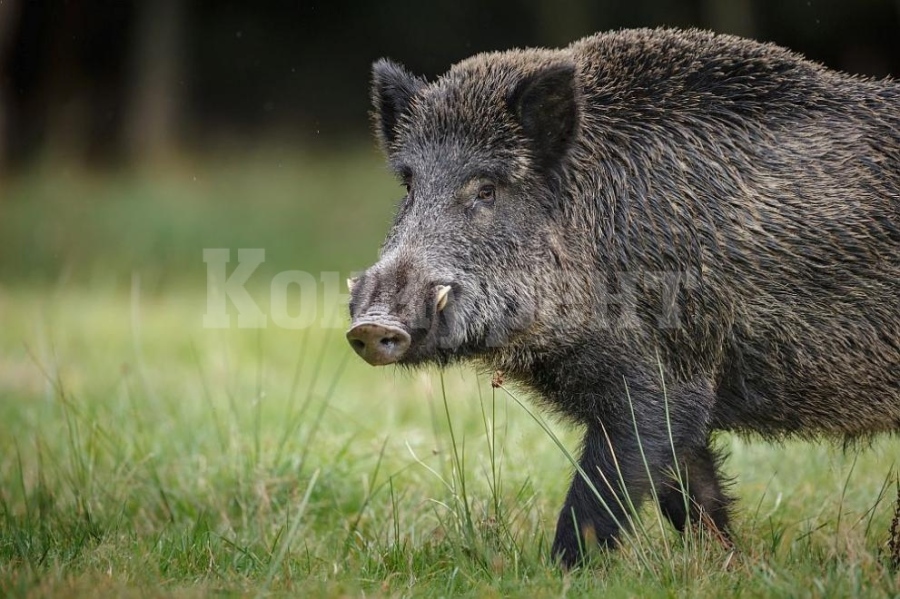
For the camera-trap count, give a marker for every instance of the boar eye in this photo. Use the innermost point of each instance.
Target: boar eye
(486, 194)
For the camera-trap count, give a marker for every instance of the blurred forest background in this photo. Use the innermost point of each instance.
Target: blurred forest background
(164, 87)
(115, 80)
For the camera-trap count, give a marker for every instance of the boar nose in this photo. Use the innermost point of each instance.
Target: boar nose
(378, 344)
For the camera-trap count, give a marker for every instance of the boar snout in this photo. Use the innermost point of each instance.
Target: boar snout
(387, 322)
(378, 344)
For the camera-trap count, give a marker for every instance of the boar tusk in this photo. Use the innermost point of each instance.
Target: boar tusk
(443, 294)
(351, 283)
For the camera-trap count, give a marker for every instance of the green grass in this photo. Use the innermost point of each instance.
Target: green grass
(308, 211)
(141, 454)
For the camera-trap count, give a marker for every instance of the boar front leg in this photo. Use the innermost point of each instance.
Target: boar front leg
(620, 457)
(697, 495)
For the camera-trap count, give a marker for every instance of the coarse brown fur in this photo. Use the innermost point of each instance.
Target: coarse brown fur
(711, 208)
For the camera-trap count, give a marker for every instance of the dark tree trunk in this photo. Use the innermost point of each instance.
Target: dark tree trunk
(9, 16)
(562, 21)
(157, 83)
(736, 17)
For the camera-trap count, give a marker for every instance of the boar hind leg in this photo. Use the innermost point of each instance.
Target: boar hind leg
(696, 492)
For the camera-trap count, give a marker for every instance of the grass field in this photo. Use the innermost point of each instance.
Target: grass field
(142, 454)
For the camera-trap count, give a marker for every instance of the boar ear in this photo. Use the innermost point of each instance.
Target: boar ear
(544, 104)
(393, 88)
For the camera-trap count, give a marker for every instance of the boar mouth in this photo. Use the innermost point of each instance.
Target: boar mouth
(382, 338)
